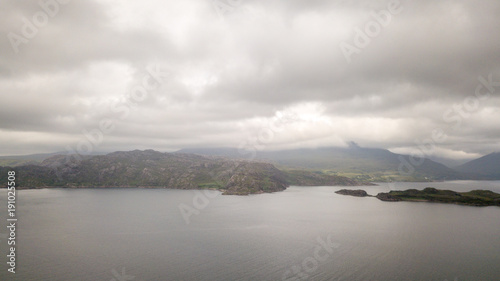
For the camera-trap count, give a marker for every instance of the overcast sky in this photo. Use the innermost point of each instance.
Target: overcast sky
(121, 75)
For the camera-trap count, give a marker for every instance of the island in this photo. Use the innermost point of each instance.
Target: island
(350, 192)
(430, 194)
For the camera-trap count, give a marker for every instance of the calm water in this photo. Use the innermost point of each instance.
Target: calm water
(301, 233)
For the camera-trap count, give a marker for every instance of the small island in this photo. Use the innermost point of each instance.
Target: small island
(357, 192)
(430, 194)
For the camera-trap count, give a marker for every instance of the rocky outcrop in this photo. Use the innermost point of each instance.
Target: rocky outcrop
(252, 177)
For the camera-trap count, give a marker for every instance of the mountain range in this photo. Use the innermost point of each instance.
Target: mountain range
(366, 164)
(237, 171)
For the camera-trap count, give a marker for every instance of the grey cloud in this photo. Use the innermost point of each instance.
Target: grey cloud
(263, 57)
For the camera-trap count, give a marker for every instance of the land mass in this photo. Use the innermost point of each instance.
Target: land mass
(430, 194)
(360, 163)
(356, 192)
(355, 162)
(151, 168)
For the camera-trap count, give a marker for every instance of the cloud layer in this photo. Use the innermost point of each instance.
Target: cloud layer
(250, 73)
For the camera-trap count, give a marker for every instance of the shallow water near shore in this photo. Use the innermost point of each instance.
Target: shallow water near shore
(302, 233)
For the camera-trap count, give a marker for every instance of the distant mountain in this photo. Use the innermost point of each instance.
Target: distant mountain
(18, 160)
(151, 168)
(430, 194)
(487, 167)
(448, 162)
(369, 164)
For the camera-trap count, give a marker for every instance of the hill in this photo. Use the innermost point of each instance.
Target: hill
(486, 167)
(29, 159)
(151, 168)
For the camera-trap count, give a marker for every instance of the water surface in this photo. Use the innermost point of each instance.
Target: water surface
(106, 234)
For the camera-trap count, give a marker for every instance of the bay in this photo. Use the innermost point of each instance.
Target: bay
(303, 233)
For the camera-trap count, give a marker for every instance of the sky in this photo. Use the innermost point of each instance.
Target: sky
(417, 77)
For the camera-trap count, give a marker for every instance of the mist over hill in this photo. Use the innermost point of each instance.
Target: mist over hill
(372, 164)
(487, 166)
